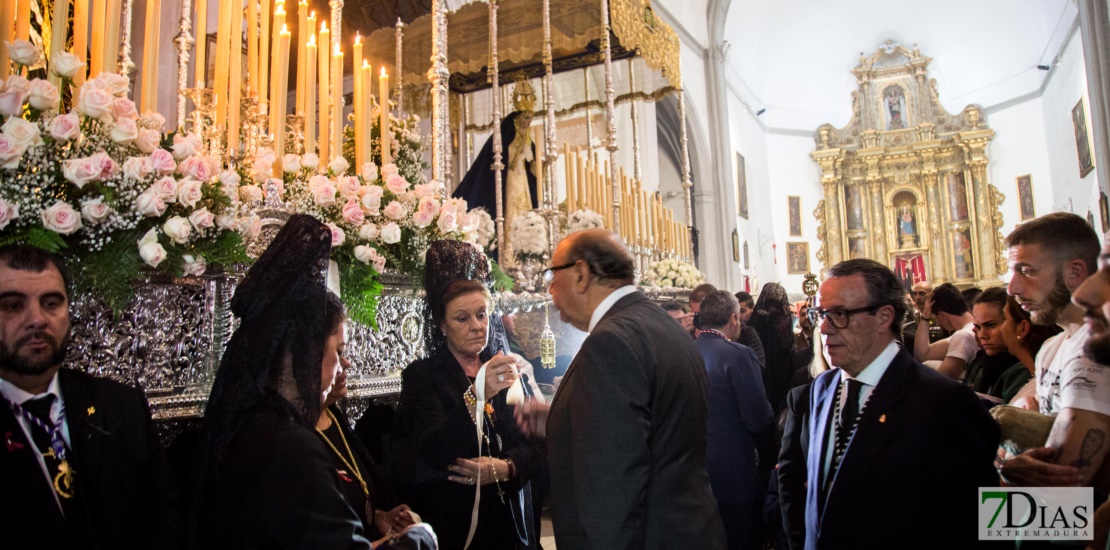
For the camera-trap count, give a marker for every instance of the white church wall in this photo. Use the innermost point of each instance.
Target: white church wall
(1018, 149)
(793, 172)
(749, 139)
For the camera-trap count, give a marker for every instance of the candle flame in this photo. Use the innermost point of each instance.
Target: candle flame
(324, 26)
(284, 29)
(338, 52)
(383, 72)
(365, 64)
(358, 39)
(312, 40)
(312, 15)
(280, 10)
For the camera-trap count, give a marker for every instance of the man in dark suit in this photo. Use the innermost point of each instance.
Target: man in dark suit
(738, 411)
(897, 451)
(80, 466)
(626, 430)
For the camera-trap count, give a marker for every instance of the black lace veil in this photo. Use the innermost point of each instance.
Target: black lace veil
(447, 262)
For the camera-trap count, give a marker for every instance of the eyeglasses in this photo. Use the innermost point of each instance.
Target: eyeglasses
(549, 273)
(838, 317)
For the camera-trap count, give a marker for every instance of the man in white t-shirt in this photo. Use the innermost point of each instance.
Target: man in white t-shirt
(1051, 257)
(949, 308)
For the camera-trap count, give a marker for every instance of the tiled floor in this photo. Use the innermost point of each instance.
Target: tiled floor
(547, 536)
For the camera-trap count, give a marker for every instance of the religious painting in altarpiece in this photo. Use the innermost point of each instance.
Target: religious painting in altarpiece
(905, 182)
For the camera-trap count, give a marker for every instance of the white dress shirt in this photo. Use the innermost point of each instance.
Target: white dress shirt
(607, 304)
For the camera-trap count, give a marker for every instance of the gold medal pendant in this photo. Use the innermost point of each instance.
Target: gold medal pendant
(63, 482)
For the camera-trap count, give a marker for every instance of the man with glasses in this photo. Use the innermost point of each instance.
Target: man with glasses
(626, 431)
(894, 446)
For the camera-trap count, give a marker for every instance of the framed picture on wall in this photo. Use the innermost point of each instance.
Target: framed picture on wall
(741, 187)
(747, 262)
(1082, 141)
(1025, 197)
(735, 246)
(797, 258)
(794, 208)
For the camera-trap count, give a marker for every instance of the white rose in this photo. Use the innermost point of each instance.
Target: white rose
(149, 250)
(370, 171)
(250, 193)
(372, 200)
(95, 211)
(80, 171)
(227, 222)
(95, 103)
(166, 188)
(61, 218)
(177, 229)
(362, 253)
(310, 161)
(389, 170)
(17, 82)
(348, 186)
(265, 155)
(391, 233)
(394, 211)
(194, 266)
(116, 84)
(230, 178)
(8, 212)
(11, 102)
(124, 108)
(291, 164)
(422, 219)
(65, 64)
(338, 237)
(24, 53)
(148, 140)
(324, 194)
(189, 192)
(11, 152)
(185, 146)
(448, 221)
(137, 168)
(65, 127)
(23, 132)
(44, 95)
(368, 232)
(250, 227)
(338, 166)
(150, 204)
(202, 219)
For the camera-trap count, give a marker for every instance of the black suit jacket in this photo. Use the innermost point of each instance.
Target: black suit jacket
(792, 467)
(128, 493)
(626, 438)
(923, 446)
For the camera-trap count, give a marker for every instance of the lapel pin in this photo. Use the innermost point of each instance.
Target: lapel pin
(92, 411)
(12, 444)
(882, 419)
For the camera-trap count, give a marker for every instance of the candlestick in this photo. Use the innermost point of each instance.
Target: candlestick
(264, 49)
(200, 63)
(310, 96)
(302, 51)
(149, 100)
(235, 78)
(252, 48)
(383, 90)
(337, 103)
(356, 102)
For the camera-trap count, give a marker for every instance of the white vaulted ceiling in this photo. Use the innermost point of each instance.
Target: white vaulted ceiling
(793, 57)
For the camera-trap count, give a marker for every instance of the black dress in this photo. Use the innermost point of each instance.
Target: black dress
(381, 497)
(439, 429)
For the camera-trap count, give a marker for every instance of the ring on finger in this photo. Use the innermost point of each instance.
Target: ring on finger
(470, 481)
(500, 378)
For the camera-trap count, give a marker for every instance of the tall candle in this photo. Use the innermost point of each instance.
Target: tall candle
(367, 102)
(235, 78)
(337, 102)
(57, 33)
(80, 41)
(252, 48)
(310, 95)
(150, 57)
(200, 63)
(579, 180)
(96, 48)
(323, 45)
(7, 34)
(537, 139)
(223, 63)
(278, 89)
(302, 51)
(281, 80)
(568, 178)
(356, 103)
(111, 40)
(23, 20)
(264, 50)
(383, 89)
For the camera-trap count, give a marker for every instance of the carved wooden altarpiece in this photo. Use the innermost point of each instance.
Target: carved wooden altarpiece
(905, 182)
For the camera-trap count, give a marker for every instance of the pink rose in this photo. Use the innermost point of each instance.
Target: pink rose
(372, 199)
(117, 84)
(337, 235)
(396, 184)
(394, 211)
(95, 211)
(17, 82)
(11, 152)
(202, 219)
(196, 168)
(148, 140)
(391, 233)
(429, 205)
(389, 170)
(80, 172)
(370, 171)
(149, 250)
(185, 146)
(189, 193)
(25, 53)
(291, 163)
(250, 227)
(108, 167)
(458, 205)
(316, 181)
(422, 191)
(65, 127)
(150, 204)
(95, 103)
(165, 188)
(368, 255)
(352, 212)
(194, 266)
(137, 168)
(467, 222)
(11, 102)
(324, 194)
(24, 132)
(8, 212)
(124, 108)
(348, 186)
(163, 161)
(61, 218)
(44, 96)
(124, 131)
(448, 221)
(422, 219)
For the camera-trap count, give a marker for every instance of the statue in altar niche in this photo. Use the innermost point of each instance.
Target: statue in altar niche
(905, 205)
(894, 103)
(518, 178)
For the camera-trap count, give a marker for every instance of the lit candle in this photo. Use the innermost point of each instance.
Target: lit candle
(80, 42)
(150, 57)
(310, 95)
(264, 50)
(200, 64)
(23, 20)
(356, 103)
(57, 33)
(337, 103)
(281, 80)
(302, 51)
(235, 78)
(96, 49)
(367, 102)
(223, 63)
(537, 139)
(568, 178)
(325, 92)
(579, 180)
(252, 48)
(278, 89)
(383, 89)
(7, 34)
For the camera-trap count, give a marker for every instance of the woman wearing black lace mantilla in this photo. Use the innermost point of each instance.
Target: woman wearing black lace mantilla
(441, 412)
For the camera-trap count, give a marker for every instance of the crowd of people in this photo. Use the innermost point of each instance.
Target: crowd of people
(867, 417)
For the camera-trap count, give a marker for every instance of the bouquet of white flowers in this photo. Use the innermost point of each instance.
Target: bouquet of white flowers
(529, 237)
(583, 219)
(671, 273)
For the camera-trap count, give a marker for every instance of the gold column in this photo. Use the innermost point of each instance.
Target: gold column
(936, 250)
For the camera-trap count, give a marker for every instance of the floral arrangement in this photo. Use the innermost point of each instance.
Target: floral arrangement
(671, 273)
(529, 237)
(378, 218)
(407, 144)
(583, 219)
(104, 185)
